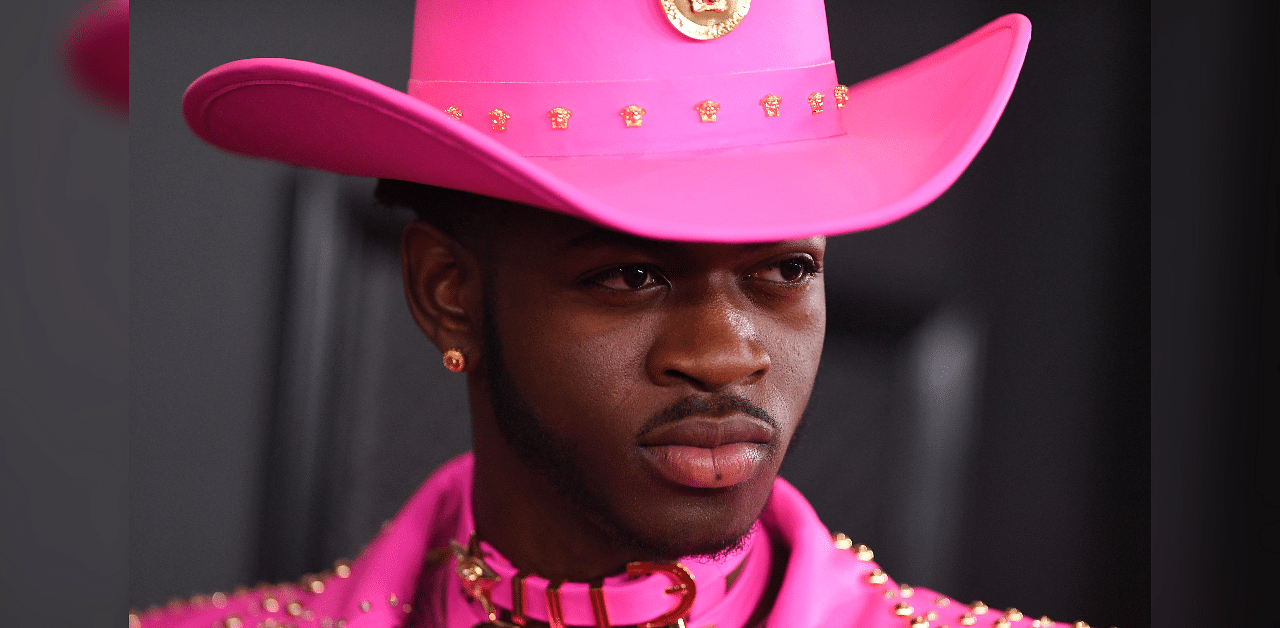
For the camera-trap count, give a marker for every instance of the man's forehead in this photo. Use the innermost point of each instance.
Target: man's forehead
(509, 227)
(567, 234)
(520, 235)
(597, 237)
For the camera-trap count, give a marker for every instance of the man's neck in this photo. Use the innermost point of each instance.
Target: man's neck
(539, 530)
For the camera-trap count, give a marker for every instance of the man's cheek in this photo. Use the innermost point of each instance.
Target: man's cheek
(609, 358)
(592, 384)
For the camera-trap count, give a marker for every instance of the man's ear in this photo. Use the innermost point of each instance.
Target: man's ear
(441, 282)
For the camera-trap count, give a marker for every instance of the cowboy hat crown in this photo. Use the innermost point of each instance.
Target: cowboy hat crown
(713, 120)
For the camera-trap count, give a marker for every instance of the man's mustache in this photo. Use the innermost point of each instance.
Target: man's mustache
(707, 405)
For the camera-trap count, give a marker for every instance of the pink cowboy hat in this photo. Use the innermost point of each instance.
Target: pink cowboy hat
(708, 120)
(96, 53)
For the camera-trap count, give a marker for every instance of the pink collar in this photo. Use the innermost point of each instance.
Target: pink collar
(693, 590)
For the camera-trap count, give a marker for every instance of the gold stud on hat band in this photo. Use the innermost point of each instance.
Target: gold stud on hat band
(771, 103)
(842, 96)
(559, 118)
(633, 115)
(707, 109)
(498, 118)
(815, 103)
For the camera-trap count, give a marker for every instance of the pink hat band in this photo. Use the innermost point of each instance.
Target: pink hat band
(563, 118)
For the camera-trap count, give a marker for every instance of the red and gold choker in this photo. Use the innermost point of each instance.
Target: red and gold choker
(696, 590)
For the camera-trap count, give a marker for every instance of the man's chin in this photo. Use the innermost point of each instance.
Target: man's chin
(683, 543)
(721, 549)
(693, 523)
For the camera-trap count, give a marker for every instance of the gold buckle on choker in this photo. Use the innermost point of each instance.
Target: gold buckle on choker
(479, 579)
(682, 584)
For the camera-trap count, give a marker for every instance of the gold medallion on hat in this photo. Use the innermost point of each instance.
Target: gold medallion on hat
(705, 19)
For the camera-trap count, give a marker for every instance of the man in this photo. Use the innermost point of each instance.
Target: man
(639, 357)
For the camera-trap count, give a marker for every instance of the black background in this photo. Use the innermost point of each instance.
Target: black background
(64, 168)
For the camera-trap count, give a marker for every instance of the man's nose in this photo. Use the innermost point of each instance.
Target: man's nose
(710, 344)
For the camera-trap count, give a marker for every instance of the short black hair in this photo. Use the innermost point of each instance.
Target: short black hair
(458, 214)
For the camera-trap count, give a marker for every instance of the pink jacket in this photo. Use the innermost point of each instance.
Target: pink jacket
(828, 582)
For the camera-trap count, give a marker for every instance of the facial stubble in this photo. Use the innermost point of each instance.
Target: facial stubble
(557, 459)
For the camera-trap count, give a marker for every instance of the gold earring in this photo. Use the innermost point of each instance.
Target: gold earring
(454, 360)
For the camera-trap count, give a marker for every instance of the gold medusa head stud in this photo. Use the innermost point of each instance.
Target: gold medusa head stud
(842, 96)
(771, 104)
(815, 103)
(707, 109)
(560, 118)
(453, 112)
(633, 115)
(498, 118)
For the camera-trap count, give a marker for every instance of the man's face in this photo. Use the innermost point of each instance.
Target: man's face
(656, 384)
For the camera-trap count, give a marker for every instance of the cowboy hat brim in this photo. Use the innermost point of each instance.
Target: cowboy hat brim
(908, 134)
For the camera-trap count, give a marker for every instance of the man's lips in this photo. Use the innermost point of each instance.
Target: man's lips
(703, 452)
(709, 432)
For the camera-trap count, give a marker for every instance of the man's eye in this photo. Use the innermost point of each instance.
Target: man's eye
(791, 270)
(627, 278)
